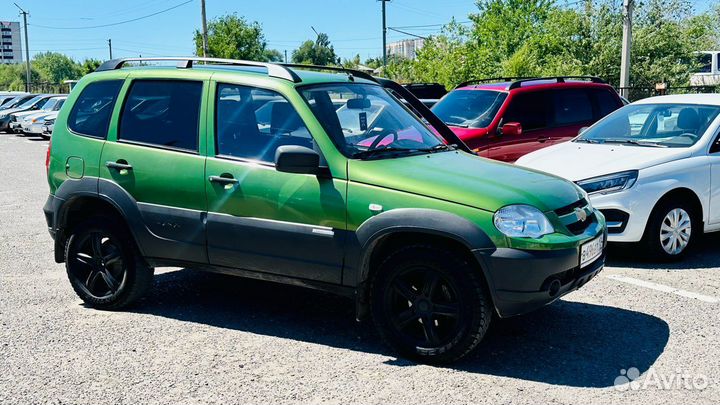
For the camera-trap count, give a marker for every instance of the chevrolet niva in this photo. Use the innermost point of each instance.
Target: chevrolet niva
(323, 180)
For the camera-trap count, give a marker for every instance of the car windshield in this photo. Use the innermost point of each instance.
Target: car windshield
(30, 102)
(469, 108)
(14, 102)
(365, 121)
(658, 125)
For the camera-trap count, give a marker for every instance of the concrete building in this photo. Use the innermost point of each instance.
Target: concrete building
(10, 42)
(406, 48)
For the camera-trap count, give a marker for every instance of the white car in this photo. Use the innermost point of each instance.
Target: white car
(651, 167)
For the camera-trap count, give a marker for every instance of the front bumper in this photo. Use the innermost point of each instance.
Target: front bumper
(524, 280)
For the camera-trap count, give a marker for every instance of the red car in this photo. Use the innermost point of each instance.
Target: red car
(505, 118)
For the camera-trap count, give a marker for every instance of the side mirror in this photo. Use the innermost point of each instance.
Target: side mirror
(511, 128)
(297, 159)
(581, 130)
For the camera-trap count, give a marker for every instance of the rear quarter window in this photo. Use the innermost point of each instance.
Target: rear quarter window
(606, 101)
(90, 115)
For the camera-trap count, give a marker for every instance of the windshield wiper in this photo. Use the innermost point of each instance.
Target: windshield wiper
(371, 153)
(439, 148)
(634, 142)
(587, 140)
(456, 124)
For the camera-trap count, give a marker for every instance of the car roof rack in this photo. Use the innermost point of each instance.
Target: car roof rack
(558, 79)
(279, 70)
(185, 62)
(516, 82)
(338, 69)
(491, 80)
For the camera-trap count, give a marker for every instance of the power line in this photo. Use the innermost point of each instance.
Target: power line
(428, 25)
(407, 33)
(116, 23)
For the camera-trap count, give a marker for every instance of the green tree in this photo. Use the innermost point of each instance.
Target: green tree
(89, 66)
(55, 67)
(234, 37)
(12, 77)
(318, 52)
(273, 55)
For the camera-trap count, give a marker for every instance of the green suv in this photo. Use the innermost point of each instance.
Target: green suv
(316, 177)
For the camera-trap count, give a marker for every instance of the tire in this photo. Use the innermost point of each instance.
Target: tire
(658, 237)
(104, 266)
(445, 289)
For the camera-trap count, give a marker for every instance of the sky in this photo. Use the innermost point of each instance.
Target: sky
(354, 26)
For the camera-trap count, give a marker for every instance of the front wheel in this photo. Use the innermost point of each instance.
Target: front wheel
(672, 230)
(103, 265)
(430, 304)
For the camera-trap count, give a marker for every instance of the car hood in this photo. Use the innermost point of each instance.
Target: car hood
(466, 179)
(578, 161)
(24, 114)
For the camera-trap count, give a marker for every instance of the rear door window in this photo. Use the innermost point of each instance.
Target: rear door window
(163, 113)
(531, 110)
(572, 107)
(90, 115)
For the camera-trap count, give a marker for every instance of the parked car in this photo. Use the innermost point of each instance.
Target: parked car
(15, 101)
(48, 126)
(505, 118)
(30, 122)
(428, 93)
(152, 167)
(6, 97)
(33, 104)
(652, 168)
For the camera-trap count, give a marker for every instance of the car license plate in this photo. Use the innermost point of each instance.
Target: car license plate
(591, 250)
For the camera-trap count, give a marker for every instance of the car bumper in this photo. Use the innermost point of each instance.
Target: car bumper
(524, 280)
(627, 212)
(15, 127)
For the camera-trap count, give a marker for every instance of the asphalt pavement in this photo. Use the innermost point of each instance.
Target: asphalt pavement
(203, 338)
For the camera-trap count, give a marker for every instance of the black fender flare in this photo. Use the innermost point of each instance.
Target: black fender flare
(106, 191)
(420, 220)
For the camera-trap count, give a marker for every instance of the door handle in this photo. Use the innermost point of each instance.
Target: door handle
(543, 139)
(120, 165)
(227, 182)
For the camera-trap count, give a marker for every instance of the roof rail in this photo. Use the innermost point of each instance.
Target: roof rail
(558, 79)
(274, 69)
(491, 80)
(353, 72)
(516, 82)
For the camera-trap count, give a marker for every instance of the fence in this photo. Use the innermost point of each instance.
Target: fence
(636, 93)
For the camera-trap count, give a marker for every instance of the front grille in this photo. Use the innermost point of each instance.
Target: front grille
(570, 216)
(568, 209)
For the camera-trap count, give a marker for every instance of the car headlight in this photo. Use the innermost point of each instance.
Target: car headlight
(3, 116)
(609, 183)
(522, 221)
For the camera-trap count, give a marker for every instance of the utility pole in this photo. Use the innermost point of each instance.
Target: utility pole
(626, 48)
(110, 47)
(27, 49)
(286, 56)
(384, 29)
(204, 29)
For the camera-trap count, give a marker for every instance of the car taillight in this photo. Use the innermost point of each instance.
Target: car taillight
(47, 157)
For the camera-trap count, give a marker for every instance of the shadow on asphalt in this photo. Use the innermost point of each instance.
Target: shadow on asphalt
(566, 343)
(705, 254)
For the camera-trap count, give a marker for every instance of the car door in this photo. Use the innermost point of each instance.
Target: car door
(714, 211)
(532, 110)
(258, 218)
(154, 153)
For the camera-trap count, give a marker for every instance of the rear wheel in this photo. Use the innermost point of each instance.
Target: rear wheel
(429, 304)
(672, 230)
(103, 265)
